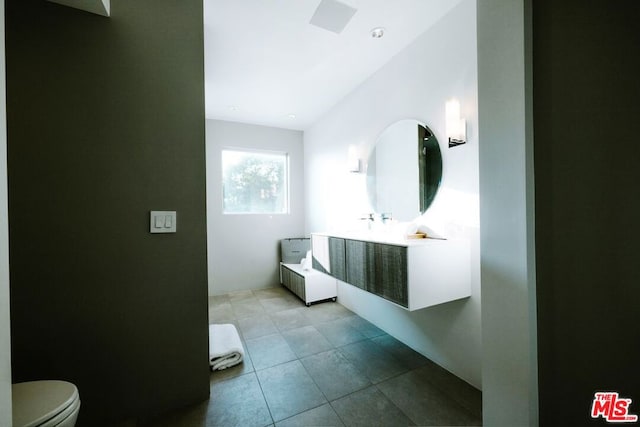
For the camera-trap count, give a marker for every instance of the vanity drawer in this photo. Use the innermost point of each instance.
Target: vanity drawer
(378, 268)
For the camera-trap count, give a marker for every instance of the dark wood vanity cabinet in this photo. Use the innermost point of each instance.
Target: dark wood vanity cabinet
(329, 256)
(359, 269)
(391, 273)
(411, 274)
(378, 268)
(337, 258)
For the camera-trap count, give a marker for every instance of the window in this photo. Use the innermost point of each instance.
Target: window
(255, 182)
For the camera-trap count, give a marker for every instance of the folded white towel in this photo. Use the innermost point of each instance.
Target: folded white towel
(225, 347)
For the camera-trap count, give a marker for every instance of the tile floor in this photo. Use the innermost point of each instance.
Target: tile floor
(322, 366)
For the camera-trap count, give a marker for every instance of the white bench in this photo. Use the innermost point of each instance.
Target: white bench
(309, 285)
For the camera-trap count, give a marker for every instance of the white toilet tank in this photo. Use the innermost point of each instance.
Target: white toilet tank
(45, 403)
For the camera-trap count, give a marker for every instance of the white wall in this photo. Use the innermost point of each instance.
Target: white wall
(5, 337)
(509, 368)
(416, 84)
(242, 250)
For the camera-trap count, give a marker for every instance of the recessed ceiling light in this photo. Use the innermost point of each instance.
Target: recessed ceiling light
(291, 116)
(377, 32)
(233, 107)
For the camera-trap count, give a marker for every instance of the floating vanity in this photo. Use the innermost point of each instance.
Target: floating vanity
(403, 175)
(411, 273)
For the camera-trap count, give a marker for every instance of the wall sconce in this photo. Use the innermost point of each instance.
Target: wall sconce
(456, 127)
(354, 162)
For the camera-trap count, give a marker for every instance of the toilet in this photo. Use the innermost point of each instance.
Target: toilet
(45, 404)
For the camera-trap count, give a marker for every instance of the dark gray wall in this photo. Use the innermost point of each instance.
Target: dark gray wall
(587, 169)
(105, 123)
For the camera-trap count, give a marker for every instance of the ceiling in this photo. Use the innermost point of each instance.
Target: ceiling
(265, 63)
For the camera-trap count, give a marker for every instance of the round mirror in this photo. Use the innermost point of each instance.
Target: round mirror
(404, 170)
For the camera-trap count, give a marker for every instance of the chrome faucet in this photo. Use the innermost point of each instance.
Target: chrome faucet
(370, 217)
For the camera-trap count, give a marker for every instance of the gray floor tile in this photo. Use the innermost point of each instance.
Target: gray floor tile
(289, 319)
(269, 351)
(424, 404)
(306, 341)
(221, 313)
(238, 402)
(339, 333)
(289, 390)
(240, 295)
(321, 416)
(325, 312)
(274, 292)
(459, 390)
(296, 387)
(273, 305)
(363, 326)
(405, 354)
(369, 407)
(371, 359)
(247, 307)
(216, 300)
(256, 326)
(334, 374)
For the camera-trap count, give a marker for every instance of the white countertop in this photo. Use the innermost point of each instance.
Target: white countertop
(386, 237)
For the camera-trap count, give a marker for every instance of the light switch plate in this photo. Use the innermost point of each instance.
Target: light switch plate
(162, 222)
